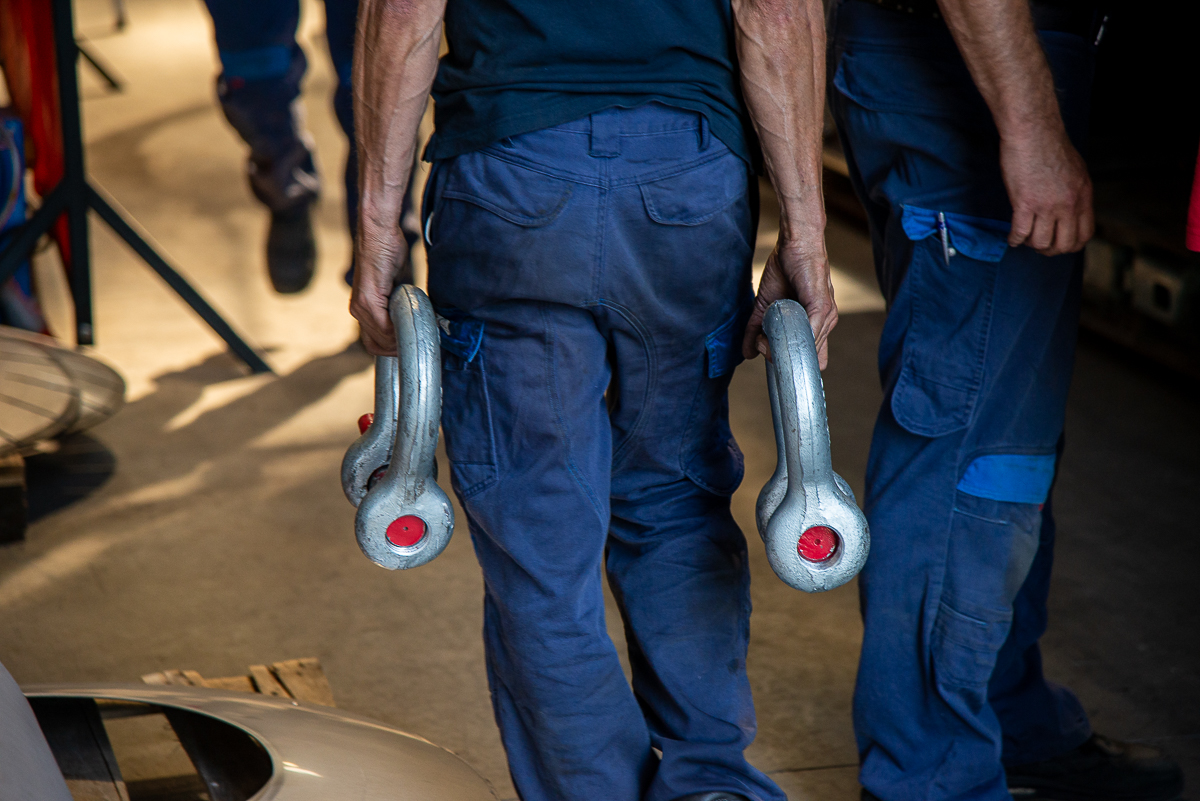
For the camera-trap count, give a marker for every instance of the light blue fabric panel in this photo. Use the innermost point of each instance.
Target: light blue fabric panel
(975, 237)
(1010, 477)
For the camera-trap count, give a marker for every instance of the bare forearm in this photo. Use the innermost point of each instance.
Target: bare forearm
(781, 50)
(1045, 176)
(998, 42)
(395, 60)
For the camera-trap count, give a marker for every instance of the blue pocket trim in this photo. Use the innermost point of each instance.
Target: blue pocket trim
(724, 346)
(978, 238)
(461, 337)
(256, 64)
(1009, 477)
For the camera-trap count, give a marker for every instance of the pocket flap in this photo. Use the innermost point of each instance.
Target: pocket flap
(515, 193)
(462, 336)
(696, 196)
(979, 238)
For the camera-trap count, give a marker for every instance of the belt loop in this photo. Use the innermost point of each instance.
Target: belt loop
(705, 133)
(605, 140)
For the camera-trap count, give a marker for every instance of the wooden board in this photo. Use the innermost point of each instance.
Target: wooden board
(300, 679)
(304, 680)
(266, 683)
(239, 683)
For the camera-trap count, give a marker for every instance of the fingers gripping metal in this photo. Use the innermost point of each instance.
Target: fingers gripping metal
(816, 536)
(404, 518)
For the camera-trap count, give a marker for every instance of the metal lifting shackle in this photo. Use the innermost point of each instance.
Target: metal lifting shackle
(370, 454)
(404, 518)
(816, 536)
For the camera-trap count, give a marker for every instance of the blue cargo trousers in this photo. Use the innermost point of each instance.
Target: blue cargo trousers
(975, 360)
(595, 278)
(261, 70)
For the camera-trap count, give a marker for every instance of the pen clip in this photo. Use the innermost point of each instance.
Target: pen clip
(945, 235)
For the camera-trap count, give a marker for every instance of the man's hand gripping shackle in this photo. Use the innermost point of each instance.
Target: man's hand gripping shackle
(404, 519)
(815, 534)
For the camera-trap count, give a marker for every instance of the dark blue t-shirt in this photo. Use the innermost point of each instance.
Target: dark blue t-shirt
(516, 66)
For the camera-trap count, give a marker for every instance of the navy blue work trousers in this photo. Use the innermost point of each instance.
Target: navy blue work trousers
(596, 280)
(975, 360)
(261, 70)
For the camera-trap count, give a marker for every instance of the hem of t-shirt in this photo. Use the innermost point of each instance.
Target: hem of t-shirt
(444, 147)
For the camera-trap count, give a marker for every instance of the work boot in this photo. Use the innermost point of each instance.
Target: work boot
(717, 796)
(1100, 770)
(291, 249)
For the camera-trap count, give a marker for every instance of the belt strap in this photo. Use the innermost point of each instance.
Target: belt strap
(605, 140)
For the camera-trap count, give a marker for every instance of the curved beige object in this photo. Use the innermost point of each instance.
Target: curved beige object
(47, 390)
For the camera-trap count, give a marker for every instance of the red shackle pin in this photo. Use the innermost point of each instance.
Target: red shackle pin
(404, 518)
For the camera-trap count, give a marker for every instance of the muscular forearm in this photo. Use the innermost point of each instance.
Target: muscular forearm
(781, 50)
(781, 53)
(1001, 49)
(395, 59)
(1046, 179)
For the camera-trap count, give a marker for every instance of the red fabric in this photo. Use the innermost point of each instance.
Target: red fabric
(27, 28)
(1193, 223)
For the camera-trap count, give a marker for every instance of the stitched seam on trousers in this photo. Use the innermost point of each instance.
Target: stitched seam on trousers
(958, 511)
(981, 356)
(564, 175)
(651, 372)
(556, 405)
(601, 219)
(937, 589)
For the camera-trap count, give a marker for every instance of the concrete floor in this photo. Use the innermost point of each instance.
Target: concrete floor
(222, 538)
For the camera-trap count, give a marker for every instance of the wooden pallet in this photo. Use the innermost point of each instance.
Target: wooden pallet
(301, 679)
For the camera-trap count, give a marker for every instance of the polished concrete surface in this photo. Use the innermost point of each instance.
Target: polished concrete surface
(222, 538)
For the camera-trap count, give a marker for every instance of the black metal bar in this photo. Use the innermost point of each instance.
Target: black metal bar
(19, 242)
(75, 196)
(176, 281)
(74, 174)
(98, 66)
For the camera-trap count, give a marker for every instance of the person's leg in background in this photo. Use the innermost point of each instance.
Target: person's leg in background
(261, 69)
(975, 358)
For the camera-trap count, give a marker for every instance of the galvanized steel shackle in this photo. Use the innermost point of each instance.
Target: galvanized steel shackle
(404, 518)
(369, 455)
(816, 536)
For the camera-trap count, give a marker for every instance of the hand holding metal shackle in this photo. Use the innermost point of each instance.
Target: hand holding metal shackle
(404, 518)
(816, 536)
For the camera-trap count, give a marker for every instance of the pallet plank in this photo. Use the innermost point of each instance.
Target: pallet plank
(240, 683)
(305, 680)
(266, 682)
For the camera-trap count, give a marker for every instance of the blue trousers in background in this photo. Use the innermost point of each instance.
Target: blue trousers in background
(261, 70)
(596, 278)
(975, 359)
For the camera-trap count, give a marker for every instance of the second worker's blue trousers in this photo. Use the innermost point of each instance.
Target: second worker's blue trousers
(975, 358)
(596, 281)
(261, 70)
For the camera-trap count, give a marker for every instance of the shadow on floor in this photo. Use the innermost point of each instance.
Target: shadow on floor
(80, 466)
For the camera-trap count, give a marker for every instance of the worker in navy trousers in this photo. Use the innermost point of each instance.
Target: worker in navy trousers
(962, 122)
